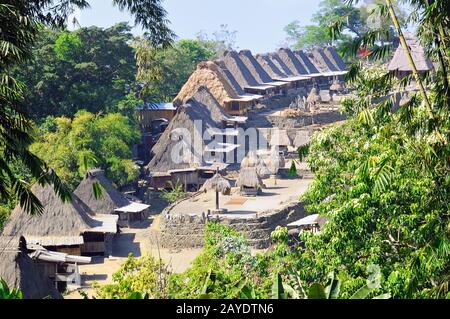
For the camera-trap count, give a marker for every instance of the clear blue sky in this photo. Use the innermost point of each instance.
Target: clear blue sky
(259, 23)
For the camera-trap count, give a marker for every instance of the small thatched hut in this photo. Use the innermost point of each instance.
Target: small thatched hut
(280, 140)
(243, 75)
(174, 157)
(400, 64)
(313, 97)
(69, 227)
(21, 272)
(302, 137)
(249, 182)
(218, 184)
(111, 200)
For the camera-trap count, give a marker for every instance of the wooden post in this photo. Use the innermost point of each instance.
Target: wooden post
(217, 200)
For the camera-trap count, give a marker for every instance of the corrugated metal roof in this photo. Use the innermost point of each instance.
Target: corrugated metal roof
(158, 106)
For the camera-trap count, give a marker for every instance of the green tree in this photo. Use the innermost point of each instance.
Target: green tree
(20, 22)
(99, 140)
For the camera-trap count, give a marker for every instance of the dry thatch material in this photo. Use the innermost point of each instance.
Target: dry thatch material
(229, 77)
(335, 58)
(313, 96)
(248, 177)
(237, 68)
(274, 162)
(293, 113)
(202, 107)
(280, 138)
(110, 199)
(20, 271)
(254, 67)
(278, 61)
(269, 66)
(322, 62)
(209, 75)
(291, 61)
(251, 160)
(306, 62)
(400, 62)
(59, 220)
(262, 169)
(302, 138)
(217, 183)
(336, 86)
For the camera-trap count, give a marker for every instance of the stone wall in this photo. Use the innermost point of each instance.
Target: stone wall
(186, 231)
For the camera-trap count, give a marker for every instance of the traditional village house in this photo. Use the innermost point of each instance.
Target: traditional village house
(208, 74)
(243, 76)
(400, 65)
(317, 78)
(248, 181)
(69, 227)
(192, 161)
(260, 75)
(20, 271)
(280, 140)
(111, 200)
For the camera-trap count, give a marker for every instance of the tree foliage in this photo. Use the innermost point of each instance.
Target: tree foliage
(73, 145)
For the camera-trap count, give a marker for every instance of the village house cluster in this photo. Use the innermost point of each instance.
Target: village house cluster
(283, 96)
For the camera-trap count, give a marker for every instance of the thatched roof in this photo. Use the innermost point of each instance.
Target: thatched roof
(400, 62)
(278, 61)
(62, 222)
(306, 62)
(239, 70)
(336, 86)
(302, 137)
(203, 107)
(275, 161)
(110, 199)
(248, 177)
(269, 66)
(217, 183)
(254, 67)
(334, 57)
(251, 160)
(209, 75)
(313, 96)
(262, 169)
(280, 138)
(229, 77)
(20, 271)
(322, 62)
(291, 61)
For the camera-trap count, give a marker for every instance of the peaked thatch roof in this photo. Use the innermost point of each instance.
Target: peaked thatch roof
(203, 107)
(20, 271)
(280, 138)
(64, 221)
(238, 69)
(254, 67)
(248, 177)
(110, 199)
(229, 77)
(302, 137)
(269, 66)
(313, 96)
(400, 62)
(322, 62)
(209, 75)
(291, 61)
(251, 160)
(306, 62)
(217, 183)
(278, 61)
(334, 57)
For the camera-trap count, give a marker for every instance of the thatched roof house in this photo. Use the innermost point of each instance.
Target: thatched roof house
(221, 84)
(291, 61)
(111, 200)
(21, 272)
(62, 224)
(242, 74)
(322, 62)
(280, 138)
(270, 67)
(257, 71)
(249, 181)
(335, 58)
(306, 62)
(399, 62)
(168, 153)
